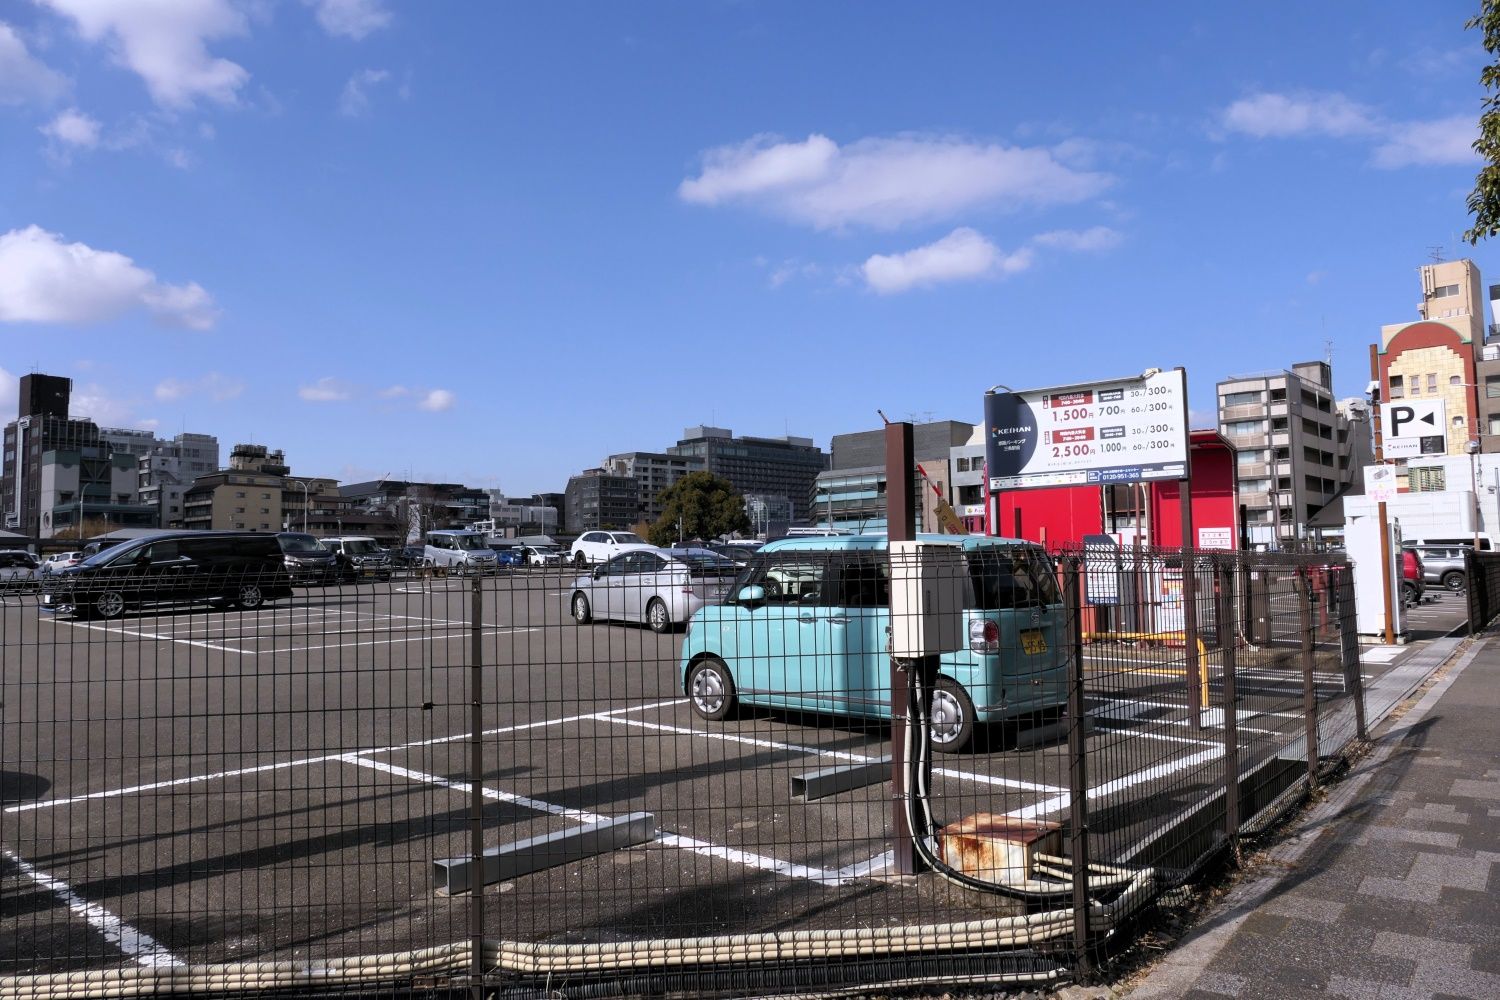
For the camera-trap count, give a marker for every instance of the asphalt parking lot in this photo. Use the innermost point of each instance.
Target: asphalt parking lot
(202, 786)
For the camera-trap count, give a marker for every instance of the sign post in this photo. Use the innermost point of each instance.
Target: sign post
(1131, 431)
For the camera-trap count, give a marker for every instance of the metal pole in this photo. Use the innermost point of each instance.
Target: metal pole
(1078, 785)
(1190, 606)
(1385, 529)
(1350, 642)
(476, 781)
(1309, 691)
(901, 526)
(1225, 609)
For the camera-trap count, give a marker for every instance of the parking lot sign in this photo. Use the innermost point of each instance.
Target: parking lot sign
(1415, 427)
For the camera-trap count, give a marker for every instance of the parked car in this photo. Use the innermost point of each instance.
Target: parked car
(358, 557)
(660, 587)
(1413, 584)
(458, 551)
(509, 556)
(594, 547)
(308, 561)
(17, 565)
(741, 552)
(806, 630)
(542, 555)
(224, 568)
(1443, 565)
(61, 560)
(408, 556)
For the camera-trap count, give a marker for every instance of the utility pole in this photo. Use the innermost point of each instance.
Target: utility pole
(1385, 531)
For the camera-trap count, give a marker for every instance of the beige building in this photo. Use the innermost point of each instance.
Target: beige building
(1296, 447)
(1443, 357)
(256, 493)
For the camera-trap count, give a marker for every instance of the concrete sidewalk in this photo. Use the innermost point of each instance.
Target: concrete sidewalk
(1386, 889)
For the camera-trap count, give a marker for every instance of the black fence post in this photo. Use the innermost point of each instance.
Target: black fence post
(476, 783)
(1474, 580)
(1349, 645)
(1078, 785)
(1309, 690)
(1225, 578)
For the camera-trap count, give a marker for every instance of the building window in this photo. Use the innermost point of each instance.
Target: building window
(1495, 423)
(239, 510)
(239, 496)
(1431, 383)
(1398, 387)
(1444, 291)
(1455, 380)
(1251, 456)
(1240, 398)
(1492, 386)
(267, 510)
(1427, 479)
(1243, 427)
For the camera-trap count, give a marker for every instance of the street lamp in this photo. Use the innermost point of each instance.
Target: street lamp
(305, 503)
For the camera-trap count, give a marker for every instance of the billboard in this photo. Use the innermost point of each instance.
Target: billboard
(1122, 431)
(1413, 428)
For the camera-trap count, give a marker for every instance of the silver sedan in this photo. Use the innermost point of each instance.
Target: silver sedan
(661, 587)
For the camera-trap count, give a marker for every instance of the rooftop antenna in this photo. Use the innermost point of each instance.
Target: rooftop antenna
(1435, 254)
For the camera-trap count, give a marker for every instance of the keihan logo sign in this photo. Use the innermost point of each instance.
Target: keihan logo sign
(1122, 431)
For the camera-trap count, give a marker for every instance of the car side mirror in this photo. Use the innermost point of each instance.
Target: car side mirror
(752, 595)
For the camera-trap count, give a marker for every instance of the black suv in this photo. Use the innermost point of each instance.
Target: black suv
(219, 567)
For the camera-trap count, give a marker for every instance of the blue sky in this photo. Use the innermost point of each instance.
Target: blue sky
(493, 243)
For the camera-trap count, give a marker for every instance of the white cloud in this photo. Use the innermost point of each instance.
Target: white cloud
(962, 255)
(94, 401)
(1268, 115)
(326, 390)
(10, 392)
(884, 183)
(350, 18)
(1093, 239)
(44, 280)
(437, 400)
(215, 386)
(73, 128)
(24, 79)
(394, 392)
(165, 43)
(1435, 143)
(354, 102)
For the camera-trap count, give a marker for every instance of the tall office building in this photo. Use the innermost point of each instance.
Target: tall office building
(654, 474)
(1297, 448)
(42, 428)
(598, 499)
(765, 467)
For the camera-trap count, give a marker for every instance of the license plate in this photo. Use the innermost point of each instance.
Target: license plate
(1033, 642)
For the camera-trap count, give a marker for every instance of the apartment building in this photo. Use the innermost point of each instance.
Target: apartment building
(654, 473)
(1297, 448)
(598, 499)
(769, 468)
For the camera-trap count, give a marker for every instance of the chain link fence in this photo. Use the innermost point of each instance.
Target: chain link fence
(667, 773)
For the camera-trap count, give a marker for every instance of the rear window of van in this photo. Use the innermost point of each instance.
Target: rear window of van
(1019, 577)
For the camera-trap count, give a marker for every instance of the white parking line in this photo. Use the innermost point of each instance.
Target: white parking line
(983, 779)
(1059, 802)
(120, 630)
(318, 759)
(703, 847)
(139, 946)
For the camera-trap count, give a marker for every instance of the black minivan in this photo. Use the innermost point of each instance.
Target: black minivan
(187, 567)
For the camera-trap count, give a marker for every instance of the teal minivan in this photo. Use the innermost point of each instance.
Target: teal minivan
(806, 629)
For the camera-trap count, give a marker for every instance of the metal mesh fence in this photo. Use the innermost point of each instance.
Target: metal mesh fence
(1482, 575)
(669, 772)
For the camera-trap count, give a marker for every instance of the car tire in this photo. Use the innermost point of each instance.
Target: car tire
(582, 612)
(580, 560)
(1454, 581)
(657, 617)
(249, 596)
(952, 717)
(110, 604)
(710, 690)
(1408, 592)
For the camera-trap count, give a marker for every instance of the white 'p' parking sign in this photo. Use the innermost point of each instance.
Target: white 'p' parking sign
(1417, 427)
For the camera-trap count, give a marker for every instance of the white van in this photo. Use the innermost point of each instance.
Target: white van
(458, 551)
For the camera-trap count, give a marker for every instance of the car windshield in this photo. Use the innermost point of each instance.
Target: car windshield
(301, 545)
(470, 542)
(360, 547)
(1011, 578)
(106, 556)
(627, 538)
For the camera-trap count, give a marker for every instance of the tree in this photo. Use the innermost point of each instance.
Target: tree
(1484, 200)
(706, 505)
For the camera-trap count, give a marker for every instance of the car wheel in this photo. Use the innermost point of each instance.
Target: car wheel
(110, 604)
(952, 716)
(1454, 581)
(582, 613)
(657, 617)
(710, 688)
(580, 560)
(249, 596)
(1409, 593)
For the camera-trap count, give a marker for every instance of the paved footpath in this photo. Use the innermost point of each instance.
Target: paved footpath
(1390, 887)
